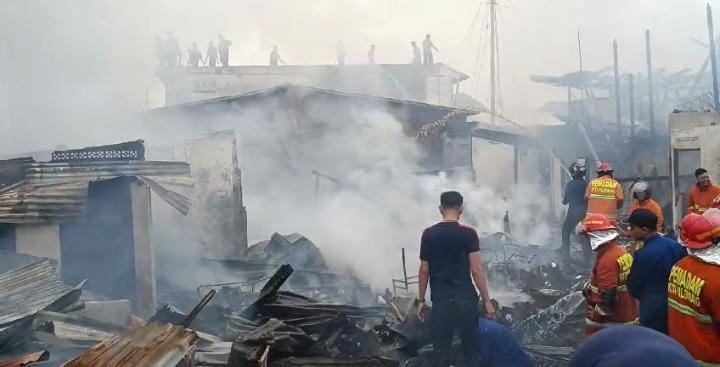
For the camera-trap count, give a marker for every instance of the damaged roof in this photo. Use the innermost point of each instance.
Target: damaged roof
(56, 191)
(29, 289)
(302, 90)
(149, 345)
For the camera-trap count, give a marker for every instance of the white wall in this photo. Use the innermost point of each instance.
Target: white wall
(39, 240)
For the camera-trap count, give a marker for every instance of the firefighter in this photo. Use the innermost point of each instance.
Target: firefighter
(608, 301)
(704, 194)
(577, 207)
(694, 289)
(642, 195)
(604, 195)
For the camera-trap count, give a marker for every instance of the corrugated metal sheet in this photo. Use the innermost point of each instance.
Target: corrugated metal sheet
(57, 192)
(25, 360)
(147, 345)
(29, 289)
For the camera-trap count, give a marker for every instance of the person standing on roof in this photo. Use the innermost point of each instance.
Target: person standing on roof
(704, 195)
(604, 195)
(648, 280)
(450, 262)
(577, 207)
(194, 56)
(642, 195)
(340, 50)
(428, 48)
(608, 300)
(212, 55)
(275, 58)
(224, 50)
(416, 59)
(694, 289)
(371, 55)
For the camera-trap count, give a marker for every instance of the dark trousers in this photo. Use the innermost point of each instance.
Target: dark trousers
(451, 314)
(568, 227)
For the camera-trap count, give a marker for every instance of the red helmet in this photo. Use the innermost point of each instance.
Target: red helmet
(595, 223)
(697, 231)
(604, 167)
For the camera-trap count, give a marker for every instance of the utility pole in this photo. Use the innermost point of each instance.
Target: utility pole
(713, 58)
(618, 115)
(632, 107)
(493, 49)
(651, 101)
(582, 81)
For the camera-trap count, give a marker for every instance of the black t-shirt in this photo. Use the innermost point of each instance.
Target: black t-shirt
(445, 246)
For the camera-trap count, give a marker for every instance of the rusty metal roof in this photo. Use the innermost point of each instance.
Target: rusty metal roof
(25, 360)
(29, 289)
(147, 345)
(56, 192)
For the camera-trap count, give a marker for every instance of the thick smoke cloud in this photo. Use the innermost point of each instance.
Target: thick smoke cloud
(78, 73)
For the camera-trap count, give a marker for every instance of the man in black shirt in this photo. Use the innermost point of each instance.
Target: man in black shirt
(450, 262)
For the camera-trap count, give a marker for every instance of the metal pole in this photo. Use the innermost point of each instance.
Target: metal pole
(713, 57)
(493, 49)
(569, 104)
(651, 102)
(516, 157)
(632, 106)
(582, 81)
(405, 270)
(618, 115)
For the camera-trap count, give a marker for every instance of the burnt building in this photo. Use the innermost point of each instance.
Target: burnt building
(299, 113)
(437, 84)
(89, 210)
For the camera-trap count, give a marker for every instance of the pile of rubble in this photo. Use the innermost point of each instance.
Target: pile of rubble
(301, 315)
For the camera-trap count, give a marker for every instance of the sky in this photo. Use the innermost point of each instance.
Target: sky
(69, 63)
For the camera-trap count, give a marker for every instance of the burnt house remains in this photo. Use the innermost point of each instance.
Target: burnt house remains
(89, 210)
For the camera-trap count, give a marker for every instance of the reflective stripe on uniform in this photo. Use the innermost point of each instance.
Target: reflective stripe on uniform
(707, 364)
(608, 324)
(611, 216)
(600, 311)
(602, 197)
(596, 290)
(688, 311)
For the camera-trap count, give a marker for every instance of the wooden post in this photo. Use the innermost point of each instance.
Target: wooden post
(618, 115)
(405, 277)
(651, 101)
(713, 57)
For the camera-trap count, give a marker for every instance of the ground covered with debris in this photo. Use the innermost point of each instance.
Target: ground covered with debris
(285, 308)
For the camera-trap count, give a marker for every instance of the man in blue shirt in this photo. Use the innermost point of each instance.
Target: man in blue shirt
(577, 207)
(500, 347)
(648, 279)
(631, 346)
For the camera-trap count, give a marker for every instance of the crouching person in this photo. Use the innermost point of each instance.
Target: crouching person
(608, 301)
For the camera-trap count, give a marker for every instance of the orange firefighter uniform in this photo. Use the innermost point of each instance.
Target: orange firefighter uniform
(694, 291)
(608, 300)
(603, 194)
(652, 206)
(702, 200)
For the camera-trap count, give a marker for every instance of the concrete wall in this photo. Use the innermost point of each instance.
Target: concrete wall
(145, 301)
(38, 240)
(217, 207)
